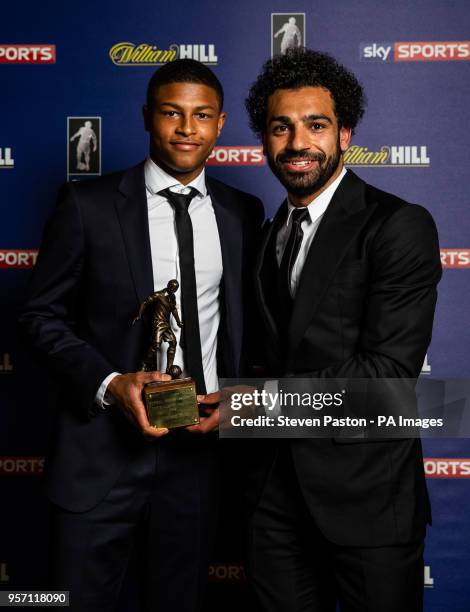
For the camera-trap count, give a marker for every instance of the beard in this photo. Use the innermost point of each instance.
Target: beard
(305, 183)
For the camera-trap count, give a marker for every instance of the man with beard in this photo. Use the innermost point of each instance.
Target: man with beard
(346, 286)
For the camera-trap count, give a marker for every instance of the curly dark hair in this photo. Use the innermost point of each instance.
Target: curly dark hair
(300, 67)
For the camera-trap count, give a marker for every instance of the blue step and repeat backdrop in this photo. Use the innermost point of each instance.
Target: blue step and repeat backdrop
(75, 73)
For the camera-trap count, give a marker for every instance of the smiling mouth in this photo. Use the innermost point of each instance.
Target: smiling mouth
(299, 165)
(184, 145)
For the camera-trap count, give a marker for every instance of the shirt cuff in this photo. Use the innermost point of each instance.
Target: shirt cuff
(103, 398)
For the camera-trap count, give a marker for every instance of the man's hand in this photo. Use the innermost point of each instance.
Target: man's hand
(207, 406)
(127, 391)
(211, 404)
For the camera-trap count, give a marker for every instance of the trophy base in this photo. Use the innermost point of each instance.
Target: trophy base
(171, 403)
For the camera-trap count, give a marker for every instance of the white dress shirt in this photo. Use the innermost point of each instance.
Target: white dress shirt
(165, 264)
(316, 209)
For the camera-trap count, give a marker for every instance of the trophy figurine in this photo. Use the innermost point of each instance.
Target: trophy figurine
(170, 403)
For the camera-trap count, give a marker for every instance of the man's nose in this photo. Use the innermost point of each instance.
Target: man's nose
(299, 138)
(187, 125)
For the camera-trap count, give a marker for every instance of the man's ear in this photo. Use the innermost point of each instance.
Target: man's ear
(220, 123)
(344, 138)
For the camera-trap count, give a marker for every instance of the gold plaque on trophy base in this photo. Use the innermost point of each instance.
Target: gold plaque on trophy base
(171, 403)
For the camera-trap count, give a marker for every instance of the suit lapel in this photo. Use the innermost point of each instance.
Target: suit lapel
(131, 207)
(229, 226)
(344, 217)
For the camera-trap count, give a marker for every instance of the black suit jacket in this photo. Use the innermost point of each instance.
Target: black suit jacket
(94, 269)
(364, 308)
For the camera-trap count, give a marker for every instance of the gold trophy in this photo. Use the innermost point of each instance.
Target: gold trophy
(171, 403)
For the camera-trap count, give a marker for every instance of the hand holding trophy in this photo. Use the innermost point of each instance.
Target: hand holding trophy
(172, 403)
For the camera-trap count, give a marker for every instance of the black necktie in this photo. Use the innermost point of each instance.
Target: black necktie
(287, 263)
(190, 333)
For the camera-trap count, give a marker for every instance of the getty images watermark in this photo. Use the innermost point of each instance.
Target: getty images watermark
(345, 409)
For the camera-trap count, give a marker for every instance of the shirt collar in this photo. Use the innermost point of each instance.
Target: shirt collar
(156, 179)
(318, 205)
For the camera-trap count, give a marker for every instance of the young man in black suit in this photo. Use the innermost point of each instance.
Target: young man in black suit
(109, 245)
(346, 285)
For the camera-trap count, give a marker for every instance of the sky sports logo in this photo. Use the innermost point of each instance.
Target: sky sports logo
(417, 51)
(21, 466)
(24, 259)
(227, 572)
(27, 54)
(237, 156)
(455, 258)
(438, 467)
(18, 258)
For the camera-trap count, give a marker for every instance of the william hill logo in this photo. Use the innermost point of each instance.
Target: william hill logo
(388, 156)
(144, 54)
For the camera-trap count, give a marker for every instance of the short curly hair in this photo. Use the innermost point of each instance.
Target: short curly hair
(184, 71)
(300, 67)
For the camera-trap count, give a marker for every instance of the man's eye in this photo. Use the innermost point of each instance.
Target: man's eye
(279, 129)
(203, 116)
(317, 126)
(170, 113)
